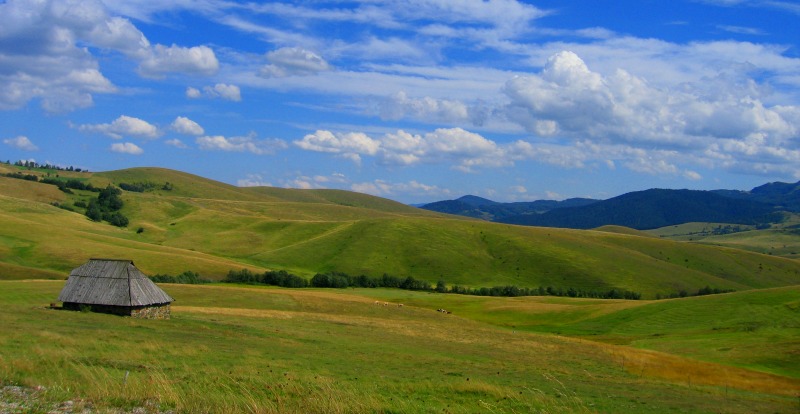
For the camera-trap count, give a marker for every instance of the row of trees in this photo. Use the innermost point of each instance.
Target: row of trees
(64, 185)
(187, 278)
(140, 187)
(34, 164)
(340, 280)
(700, 292)
(69, 185)
(343, 280)
(513, 291)
(272, 277)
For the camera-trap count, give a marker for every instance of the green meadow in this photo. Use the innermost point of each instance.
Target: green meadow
(246, 349)
(781, 239)
(756, 329)
(267, 350)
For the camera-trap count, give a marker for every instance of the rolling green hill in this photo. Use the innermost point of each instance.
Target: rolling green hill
(782, 239)
(756, 329)
(210, 227)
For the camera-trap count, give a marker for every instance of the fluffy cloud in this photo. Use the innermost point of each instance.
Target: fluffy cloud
(464, 149)
(193, 93)
(567, 99)
(186, 126)
(293, 61)
(253, 180)
(126, 148)
(400, 106)
(412, 188)
(124, 126)
(176, 143)
(44, 53)
(22, 143)
(241, 144)
(467, 152)
(224, 91)
(161, 60)
(318, 181)
(220, 90)
(349, 145)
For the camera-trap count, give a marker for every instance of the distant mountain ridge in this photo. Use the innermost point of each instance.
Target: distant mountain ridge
(478, 207)
(640, 210)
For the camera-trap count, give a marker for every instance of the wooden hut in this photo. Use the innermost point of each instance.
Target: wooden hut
(117, 287)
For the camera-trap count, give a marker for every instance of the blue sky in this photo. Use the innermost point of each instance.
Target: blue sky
(416, 100)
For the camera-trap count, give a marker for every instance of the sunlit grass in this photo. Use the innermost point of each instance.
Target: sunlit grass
(242, 349)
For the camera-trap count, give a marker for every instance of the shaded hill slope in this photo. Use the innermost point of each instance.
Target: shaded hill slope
(477, 207)
(785, 196)
(651, 209)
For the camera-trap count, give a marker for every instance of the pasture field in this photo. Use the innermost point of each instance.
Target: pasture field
(782, 239)
(252, 349)
(211, 228)
(757, 329)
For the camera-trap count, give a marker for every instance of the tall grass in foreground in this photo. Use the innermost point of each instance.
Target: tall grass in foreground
(154, 389)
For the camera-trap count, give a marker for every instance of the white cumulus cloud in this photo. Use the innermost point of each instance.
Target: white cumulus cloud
(241, 144)
(124, 126)
(383, 188)
(463, 149)
(126, 148)
(293, 61)
(161, 60)
(49, 51)
(186, 126)
(193, 93)
(567, 99)
(221, 90)
(22, 143)
(176, 143)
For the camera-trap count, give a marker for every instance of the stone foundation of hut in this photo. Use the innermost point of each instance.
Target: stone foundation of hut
(142, 312)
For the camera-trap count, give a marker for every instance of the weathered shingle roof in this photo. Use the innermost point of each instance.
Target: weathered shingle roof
(111, 282)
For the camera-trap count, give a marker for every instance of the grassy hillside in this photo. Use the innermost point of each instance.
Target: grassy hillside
(758, 329)
(41, 241)
(781, 239)
(233, 349)
(210, 228)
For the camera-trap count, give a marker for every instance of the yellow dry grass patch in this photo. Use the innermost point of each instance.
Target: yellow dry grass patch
(544, 305)
(692, 372)
(393, 323)
(253, 313)
(27, 190)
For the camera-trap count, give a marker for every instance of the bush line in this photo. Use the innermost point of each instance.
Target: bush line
(341, 280)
